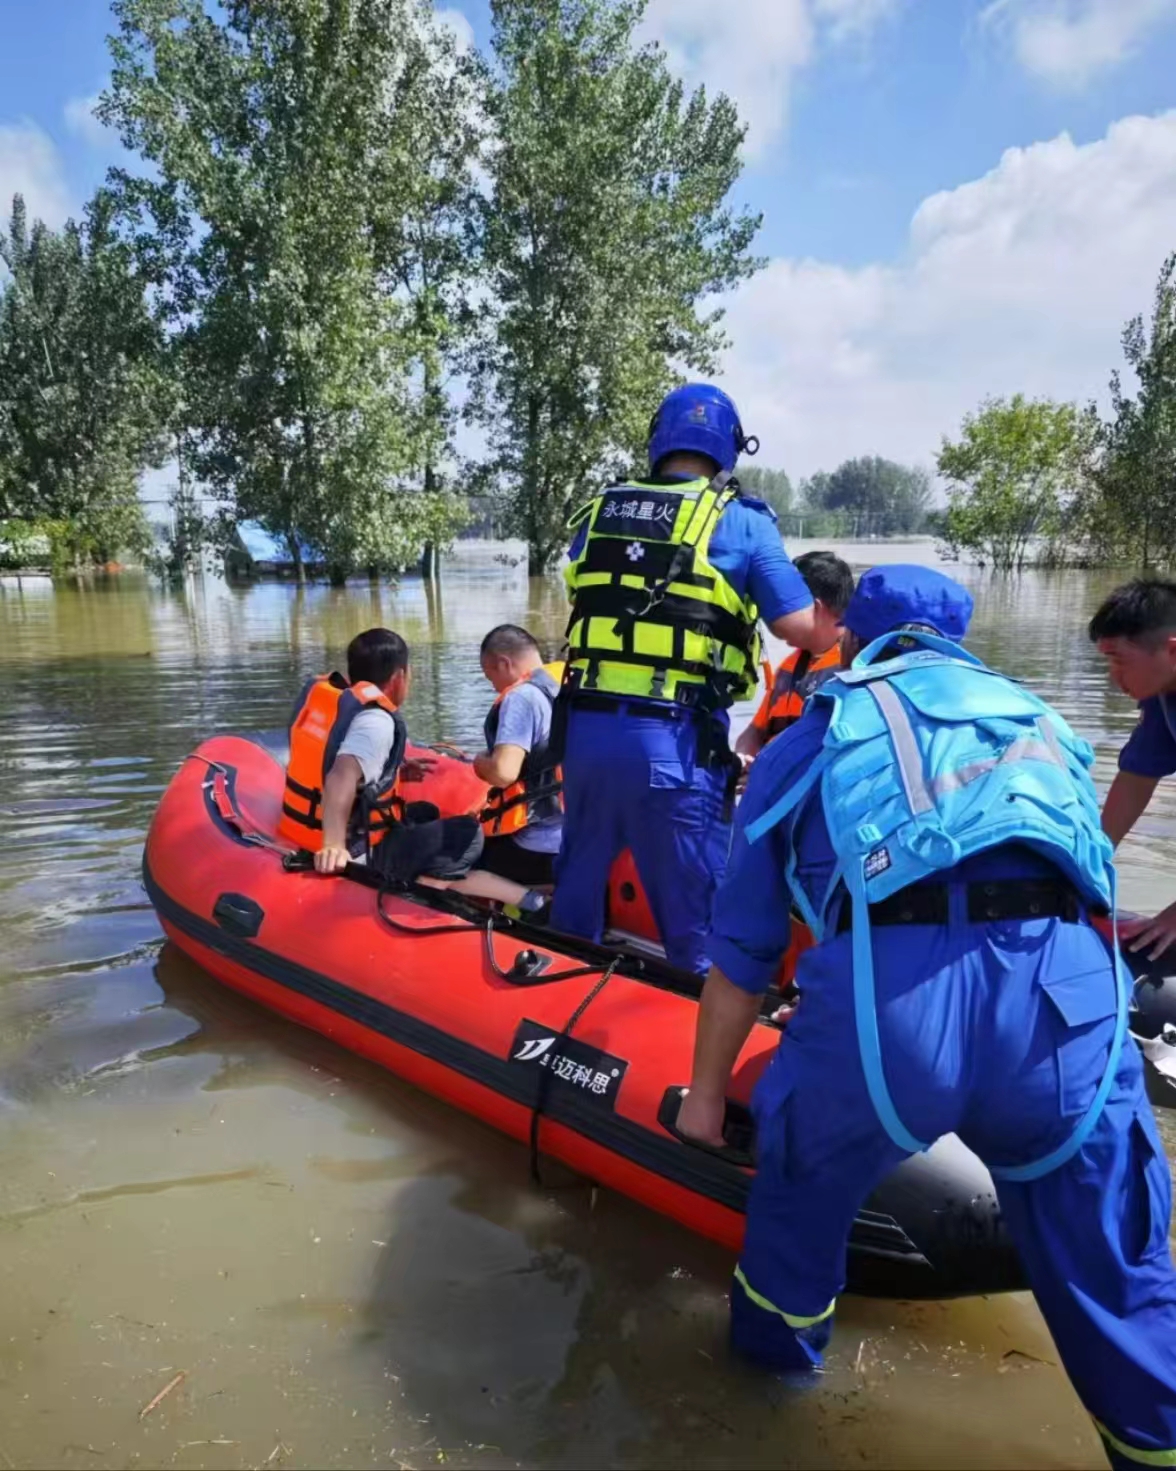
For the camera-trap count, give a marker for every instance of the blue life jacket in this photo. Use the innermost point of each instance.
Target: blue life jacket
(930, 758)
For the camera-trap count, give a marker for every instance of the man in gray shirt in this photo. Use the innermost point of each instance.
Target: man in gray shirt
(525, 823)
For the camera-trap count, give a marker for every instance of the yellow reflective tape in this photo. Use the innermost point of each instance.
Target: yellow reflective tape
(1133, 1453)
(770, 1307)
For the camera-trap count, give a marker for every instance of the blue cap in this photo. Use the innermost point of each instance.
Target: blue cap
(887, 597)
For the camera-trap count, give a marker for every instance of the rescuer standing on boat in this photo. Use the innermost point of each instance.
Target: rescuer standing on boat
(668, 579)
(937, 826)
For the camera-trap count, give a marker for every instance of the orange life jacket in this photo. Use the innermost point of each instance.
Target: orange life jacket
(321, 718)
(537, 795)
(796, 678)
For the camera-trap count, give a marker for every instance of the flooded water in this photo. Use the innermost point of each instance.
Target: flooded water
(344, 1272)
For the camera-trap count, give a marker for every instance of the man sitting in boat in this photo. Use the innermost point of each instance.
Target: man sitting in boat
(830, 581)
(343, 797)
(523, 820)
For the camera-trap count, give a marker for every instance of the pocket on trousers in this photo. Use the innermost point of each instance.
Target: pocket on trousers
(1082, 1009)
(668, 776)
(1146, 1206)
(769, 1111)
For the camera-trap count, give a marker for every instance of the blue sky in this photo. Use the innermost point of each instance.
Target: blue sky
(916, 263)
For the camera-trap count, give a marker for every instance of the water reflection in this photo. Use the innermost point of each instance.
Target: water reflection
(348, 1272)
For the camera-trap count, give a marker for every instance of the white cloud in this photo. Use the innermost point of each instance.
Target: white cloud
(751, 49)
(463, 32)
(1020, 281)
(82, 122)
(855, 17)
(1067, 41)
(31, 165)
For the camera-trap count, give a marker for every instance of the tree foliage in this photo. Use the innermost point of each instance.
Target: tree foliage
(1129, 514)
(604, 232)
(772, 486)
(1015, 477)
(295, 224)
(880, 497)
(84, 397)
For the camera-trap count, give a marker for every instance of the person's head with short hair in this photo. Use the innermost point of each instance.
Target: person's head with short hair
(509, 653)
(1135, 630)
(380, 657)
(830, 580)
(902, 599)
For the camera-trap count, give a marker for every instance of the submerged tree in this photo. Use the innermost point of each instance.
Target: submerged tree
(885, 498)
(284, 139)
(83, 391)
(605, 230)
(1013, 477)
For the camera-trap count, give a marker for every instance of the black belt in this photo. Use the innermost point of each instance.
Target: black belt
(648, 709)
(987, 902)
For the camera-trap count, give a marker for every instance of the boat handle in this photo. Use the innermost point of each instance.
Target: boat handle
(738, 1129)
(238, 915)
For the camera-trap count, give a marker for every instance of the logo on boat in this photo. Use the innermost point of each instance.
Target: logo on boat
(594, 1075)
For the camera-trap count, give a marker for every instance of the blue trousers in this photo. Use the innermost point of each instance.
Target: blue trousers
(633, 782)
(1000, 1034)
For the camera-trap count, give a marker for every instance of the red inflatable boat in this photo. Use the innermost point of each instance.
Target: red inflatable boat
(579, 1050)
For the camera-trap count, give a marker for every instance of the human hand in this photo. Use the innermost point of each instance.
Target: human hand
(701, 1118)
(331, 859)
(1158, 932)
(416, 768)
(746, 763)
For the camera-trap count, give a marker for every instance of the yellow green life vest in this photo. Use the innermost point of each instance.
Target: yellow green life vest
(651, 615)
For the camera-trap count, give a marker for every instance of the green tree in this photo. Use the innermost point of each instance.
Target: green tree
(286, 150)
(83, 392)
(1131, 514)
(1014, 477)
(605, 231)
(879, 497)
(772, 486)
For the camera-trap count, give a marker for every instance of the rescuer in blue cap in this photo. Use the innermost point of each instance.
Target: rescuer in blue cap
(937, 826)
(668, 578)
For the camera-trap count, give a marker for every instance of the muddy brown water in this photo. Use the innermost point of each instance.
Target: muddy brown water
(345, 1272)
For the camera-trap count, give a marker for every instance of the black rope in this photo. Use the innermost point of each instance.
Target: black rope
(417, 930)
(559, 975)
(546, 1073)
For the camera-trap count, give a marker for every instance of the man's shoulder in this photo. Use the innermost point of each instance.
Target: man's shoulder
(751, 505)
(746, 526)
(372, 724)
(1159, 712)
(525, 696)
(788, 754)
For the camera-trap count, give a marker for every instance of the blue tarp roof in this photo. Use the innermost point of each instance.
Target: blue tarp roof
(264, 546)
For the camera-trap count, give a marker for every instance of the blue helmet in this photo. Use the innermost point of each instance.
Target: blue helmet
(700, 419)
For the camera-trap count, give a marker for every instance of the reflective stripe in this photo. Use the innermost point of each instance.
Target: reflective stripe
(1023, 749)
(906, 748)
(1133, 1453)
(770, 1307)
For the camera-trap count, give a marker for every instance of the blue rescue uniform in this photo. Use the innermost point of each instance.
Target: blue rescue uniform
(652, 776)
(1151, 749)
(998, 1032)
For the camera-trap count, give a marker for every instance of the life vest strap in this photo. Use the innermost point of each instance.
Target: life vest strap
(304, 819)
(688, 615)
(308, 794)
